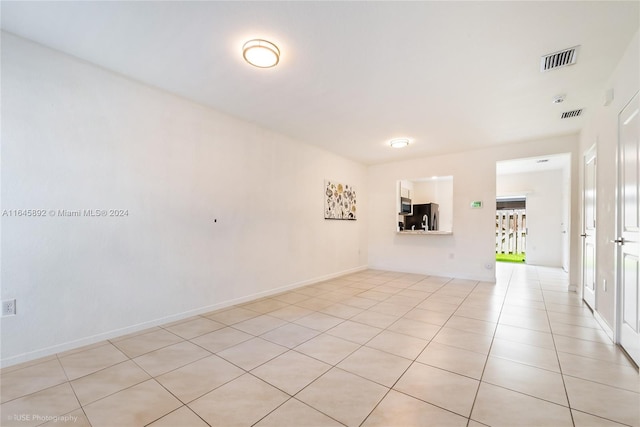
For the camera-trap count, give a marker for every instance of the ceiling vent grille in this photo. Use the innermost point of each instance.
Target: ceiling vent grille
(559, 59)
(570, 114)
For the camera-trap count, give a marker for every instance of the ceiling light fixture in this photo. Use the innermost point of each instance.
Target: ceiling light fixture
(261, 53)
(399, 142)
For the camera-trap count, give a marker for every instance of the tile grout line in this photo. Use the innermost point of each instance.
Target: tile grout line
(486, 361)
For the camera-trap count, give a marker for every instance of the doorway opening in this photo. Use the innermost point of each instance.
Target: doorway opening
(511, 229)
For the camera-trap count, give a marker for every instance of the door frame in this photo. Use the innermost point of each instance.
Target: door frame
(618, 309)
(590, 153)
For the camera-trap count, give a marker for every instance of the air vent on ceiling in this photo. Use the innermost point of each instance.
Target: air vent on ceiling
(570, 114)
(559, 59)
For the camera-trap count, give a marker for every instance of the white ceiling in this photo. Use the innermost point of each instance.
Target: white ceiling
(452, 76)
(534, 164)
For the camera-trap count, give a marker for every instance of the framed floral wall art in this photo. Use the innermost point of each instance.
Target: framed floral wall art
(339, 201)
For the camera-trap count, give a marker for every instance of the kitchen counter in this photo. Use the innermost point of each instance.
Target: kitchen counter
(424, 232)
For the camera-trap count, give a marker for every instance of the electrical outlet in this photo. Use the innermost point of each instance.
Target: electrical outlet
(9, 307)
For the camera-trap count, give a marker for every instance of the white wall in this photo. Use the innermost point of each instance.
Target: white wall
(75, 136)
(602, 130)
(471, 248)
(544, 212)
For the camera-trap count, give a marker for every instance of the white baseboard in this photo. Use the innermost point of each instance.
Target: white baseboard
(604, 325)
(70, 345)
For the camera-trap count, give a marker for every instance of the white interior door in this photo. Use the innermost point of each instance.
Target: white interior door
(628, 227)
(589, 229)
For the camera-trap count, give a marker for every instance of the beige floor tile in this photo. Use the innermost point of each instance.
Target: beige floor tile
(433, 305)
(29, 379)
(294, 413)
(290, 297)
(428, 316)
(259, 325)
(569, 319)
(221, 339)
(316, 304)
(290, 313)
(466, 340)
(169, 358)
(198, 378)
(398, 409)
(195, 328)
(328, 348)
(27, 364)
(591, 349)
(486, 314)
(241, 402)
(359, 302)
(536, 324)
(108, 381)
(529, 355)
(182, 417)
(525, 336)
(309, 291)
(81, 349)
(414, 328)
(391, 309)
(319, 321)
(265, 306)
(252, 353)
(399, 344)
(603, 401)
(441, 388)
(342, 311)
(526, 379)
(440, 297)
(375, 365)
(291, 371)
(80, 364)
(134, 334)
(496, 406)
(452, 359)
(373, 318)
(40, 407)
(374, 295)
(580, 419)
(232, 315)
(290, 335)
(135, 406)
(580, 332)
(141, 344)
(406, 300)
(75, 418)
(473, 423)
(416, 296)
(343, 396)
(354, 331)
(599, 371)
(471, 325)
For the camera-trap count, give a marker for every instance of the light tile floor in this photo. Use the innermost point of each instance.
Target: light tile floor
(373, 348)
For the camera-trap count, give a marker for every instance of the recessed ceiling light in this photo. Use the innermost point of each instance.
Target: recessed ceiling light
(399, 142)
(261, 53)
(558, 99)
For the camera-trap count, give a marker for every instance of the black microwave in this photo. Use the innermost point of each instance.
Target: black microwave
(405, 206)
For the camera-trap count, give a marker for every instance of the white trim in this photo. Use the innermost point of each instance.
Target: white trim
(59, 348)
(603, 324)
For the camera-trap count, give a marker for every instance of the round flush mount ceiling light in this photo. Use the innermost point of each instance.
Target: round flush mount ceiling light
(261, 53)
(399, 142)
